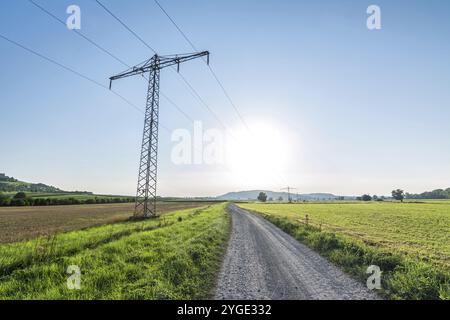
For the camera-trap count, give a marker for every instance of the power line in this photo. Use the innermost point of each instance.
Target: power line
(78, 74)
(176, 106)
(106, 52)
(125, 26)
(209, 66)
(176, 26)
(195, 93)
(288, 188)
(227, 95)
(52, 61)
(79, 33)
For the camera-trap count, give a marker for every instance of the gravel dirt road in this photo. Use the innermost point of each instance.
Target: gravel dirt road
(263, 262)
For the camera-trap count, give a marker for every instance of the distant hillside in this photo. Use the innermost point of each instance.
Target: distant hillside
(10, 184)
(253, 194)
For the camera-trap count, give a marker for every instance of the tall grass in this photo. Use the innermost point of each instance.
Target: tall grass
(172, 257)
(403, 276)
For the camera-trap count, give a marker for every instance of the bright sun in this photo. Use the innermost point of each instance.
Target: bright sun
(257, 155)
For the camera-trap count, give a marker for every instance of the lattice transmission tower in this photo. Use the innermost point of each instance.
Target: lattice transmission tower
(145, 205)
(289, 193)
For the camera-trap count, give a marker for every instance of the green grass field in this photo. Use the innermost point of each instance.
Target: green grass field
(175, 256)
(410, 241)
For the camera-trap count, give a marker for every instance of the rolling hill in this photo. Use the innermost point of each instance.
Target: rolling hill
(10, 184)
(253, 194)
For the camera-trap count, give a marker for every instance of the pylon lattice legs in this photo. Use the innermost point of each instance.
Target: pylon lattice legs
(146, 188)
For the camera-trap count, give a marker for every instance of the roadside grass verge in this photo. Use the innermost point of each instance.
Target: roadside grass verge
(28, 223)
(175, 256)
(403, 276)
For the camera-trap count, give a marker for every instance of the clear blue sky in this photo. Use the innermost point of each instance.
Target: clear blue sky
(358, 111)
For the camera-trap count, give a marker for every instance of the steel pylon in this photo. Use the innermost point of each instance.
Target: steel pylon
(145, 205)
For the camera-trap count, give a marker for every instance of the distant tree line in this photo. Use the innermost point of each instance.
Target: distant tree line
(397, 194)
(5, 178)
(21, 199)
(368, 197)
(435, 194)
(400, 195)
(12, 186)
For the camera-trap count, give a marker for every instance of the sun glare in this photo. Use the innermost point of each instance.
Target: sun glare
(257, 155)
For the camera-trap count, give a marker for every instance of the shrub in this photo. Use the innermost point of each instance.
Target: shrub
(20, 195)
(18, 202)
(4, 199)
(417, 281)
(344, 258)
(323, 242)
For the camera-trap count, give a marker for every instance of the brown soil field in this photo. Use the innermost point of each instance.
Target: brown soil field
(24, 223)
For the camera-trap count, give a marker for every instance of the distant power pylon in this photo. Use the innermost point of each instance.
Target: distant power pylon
(289, 192)
(146, 188)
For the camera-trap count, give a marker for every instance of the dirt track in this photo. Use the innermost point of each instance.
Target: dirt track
(263, 262)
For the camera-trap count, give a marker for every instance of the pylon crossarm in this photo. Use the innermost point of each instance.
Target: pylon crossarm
(163, 62)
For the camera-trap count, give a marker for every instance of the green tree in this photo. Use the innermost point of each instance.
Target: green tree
(398, 194)
(20, 195)
(366, 197)
(262, 197)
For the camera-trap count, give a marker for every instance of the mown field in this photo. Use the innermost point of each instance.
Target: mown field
(23, 223)
(175, 256)
(409, 241)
